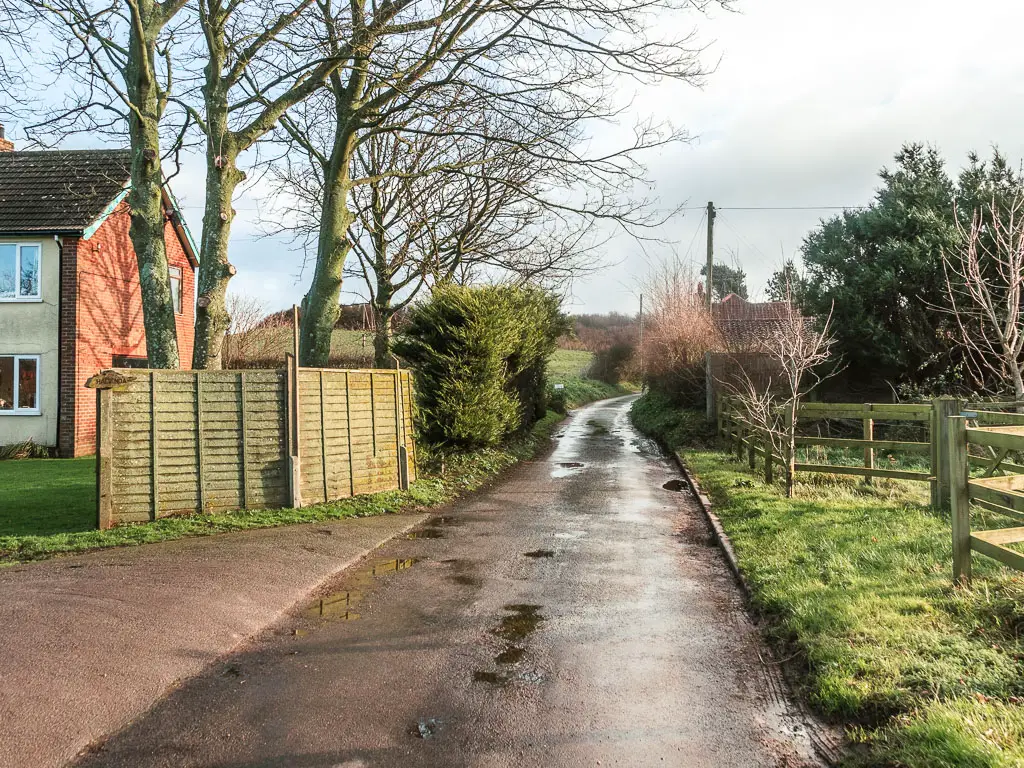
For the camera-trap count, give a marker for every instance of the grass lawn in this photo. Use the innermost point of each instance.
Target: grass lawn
(47, 496)
(854, 584)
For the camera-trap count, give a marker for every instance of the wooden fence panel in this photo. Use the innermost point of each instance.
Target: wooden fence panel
(179, 442)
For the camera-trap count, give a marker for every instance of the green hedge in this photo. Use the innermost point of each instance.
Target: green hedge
(480, 354)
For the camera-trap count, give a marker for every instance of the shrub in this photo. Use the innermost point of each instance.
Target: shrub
(678, 333)
(479, 356)
(558, 400)
(611, 364)
(26, 450)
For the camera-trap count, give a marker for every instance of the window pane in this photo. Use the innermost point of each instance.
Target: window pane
(176, 289)
(27, 383)
(8, 265)
(6, 383)
(29, 270)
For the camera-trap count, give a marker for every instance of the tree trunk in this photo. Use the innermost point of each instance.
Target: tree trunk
(222, 179)
(146, 195)
(790, 450)
(1018, 385)
(383, 312)
(382, 357)
(320, 305)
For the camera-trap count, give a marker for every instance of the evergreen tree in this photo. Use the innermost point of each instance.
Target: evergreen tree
(726, 280)
(879, 272)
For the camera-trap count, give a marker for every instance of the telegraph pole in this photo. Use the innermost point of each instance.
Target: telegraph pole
(711, 252)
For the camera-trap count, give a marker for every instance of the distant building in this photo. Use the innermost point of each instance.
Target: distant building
(70, 302)
(743, 328)
(743, 325)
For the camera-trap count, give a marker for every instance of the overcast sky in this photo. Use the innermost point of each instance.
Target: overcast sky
(809, 99)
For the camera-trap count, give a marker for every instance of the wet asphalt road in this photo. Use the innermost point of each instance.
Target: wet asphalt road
(574, 614)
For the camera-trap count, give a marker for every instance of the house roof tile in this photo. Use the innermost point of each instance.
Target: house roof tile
(60, 191)
(745, 323)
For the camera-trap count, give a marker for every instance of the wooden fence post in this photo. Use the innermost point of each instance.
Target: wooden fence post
(154, 453)
(200, 463)
(348, 436)
(942, 409)
(769, 459)
(244, 445)
(719, 415)
(104, 454)
(323, 439)
(960, 499)
(869, 434)
(292, 409)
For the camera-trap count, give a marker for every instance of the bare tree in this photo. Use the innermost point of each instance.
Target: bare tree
(985, 286)
(678, 329)
(535, 63)
(437, 208)
(117, 58)
(256, 66)
(250, 336)
(795, 351)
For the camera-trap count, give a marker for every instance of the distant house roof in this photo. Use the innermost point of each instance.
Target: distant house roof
(65, 192)
(744, 323)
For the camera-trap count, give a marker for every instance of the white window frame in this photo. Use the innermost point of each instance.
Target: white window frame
(16, 411)
(181, 288)
(38, 296)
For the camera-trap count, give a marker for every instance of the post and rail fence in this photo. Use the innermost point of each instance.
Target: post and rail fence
(181, 442)
(964, 439)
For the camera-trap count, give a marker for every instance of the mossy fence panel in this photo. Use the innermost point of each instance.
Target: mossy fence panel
(183, 442)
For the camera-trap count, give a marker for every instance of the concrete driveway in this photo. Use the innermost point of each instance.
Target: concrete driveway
(88, 643)
(574, 614)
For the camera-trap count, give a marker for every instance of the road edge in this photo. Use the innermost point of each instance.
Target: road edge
(827, 744)
(721, 537)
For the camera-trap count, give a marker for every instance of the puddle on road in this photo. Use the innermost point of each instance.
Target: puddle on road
(486, 676)
(341, 604)
(643, 446)
(597, 429)
(522, 620)
(463, 572)
(567, 469)
(573, 535)
(434, 527)
(677, 485)
(510, 655)
(540, 553)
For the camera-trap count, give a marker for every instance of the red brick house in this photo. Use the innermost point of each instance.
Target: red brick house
(70, 302)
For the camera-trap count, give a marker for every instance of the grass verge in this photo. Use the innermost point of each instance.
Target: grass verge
(569, 368)
(463, 473)
(854, 584)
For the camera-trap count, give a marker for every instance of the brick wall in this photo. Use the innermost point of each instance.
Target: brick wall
(109, 313)
(67, 387)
